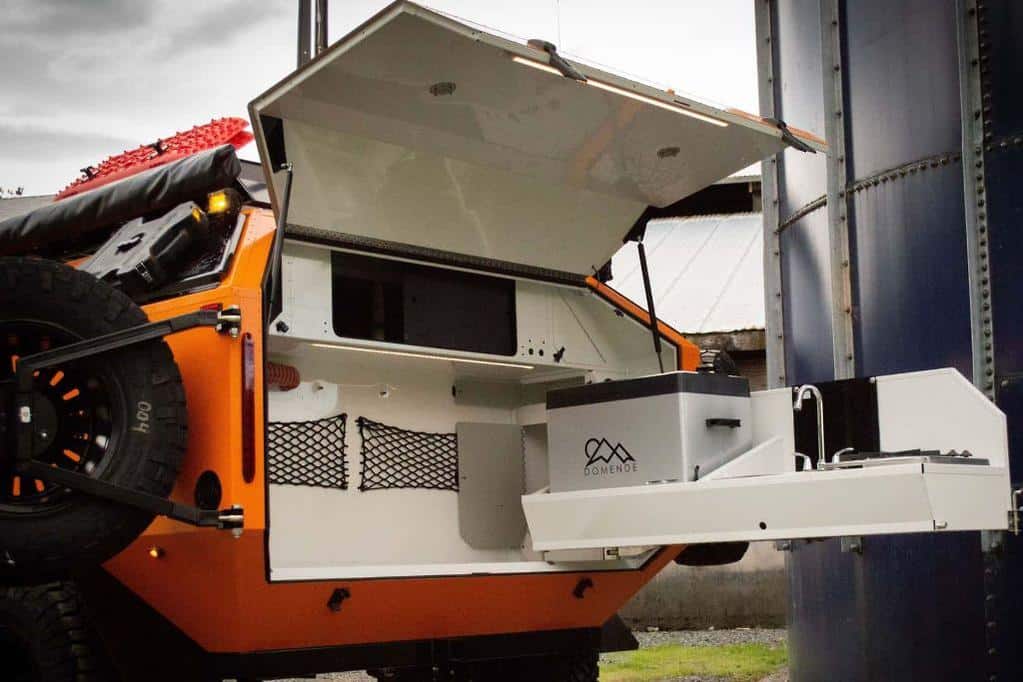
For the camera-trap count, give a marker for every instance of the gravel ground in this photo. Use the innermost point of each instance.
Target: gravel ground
(656, 638)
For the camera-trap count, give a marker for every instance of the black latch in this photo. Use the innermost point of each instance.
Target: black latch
(580, 588)
(721, 421)
(337, 597)
(788, 137)
(556, 60)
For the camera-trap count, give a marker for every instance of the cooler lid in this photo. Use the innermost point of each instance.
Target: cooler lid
(416, 130)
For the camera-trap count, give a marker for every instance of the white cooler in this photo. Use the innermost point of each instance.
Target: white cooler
(662, 428)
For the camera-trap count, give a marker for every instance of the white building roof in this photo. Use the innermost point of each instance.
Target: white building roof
(706, 272)
(18, 205)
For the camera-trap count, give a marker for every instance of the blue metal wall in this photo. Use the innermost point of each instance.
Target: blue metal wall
(906, 607)
(1001, 57)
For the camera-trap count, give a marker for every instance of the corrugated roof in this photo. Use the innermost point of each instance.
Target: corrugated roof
(18, 205)
(706, 272)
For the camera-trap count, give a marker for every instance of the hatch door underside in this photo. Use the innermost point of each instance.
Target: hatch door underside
(418, 130)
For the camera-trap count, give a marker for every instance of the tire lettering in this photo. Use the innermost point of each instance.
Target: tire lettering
(142, 413)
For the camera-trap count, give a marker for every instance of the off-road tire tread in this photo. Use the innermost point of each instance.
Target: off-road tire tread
(90, 307)
(67, 649)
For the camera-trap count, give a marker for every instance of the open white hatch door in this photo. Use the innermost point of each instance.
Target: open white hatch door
(417, 130)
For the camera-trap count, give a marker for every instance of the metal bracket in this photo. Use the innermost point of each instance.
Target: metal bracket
(227, 519)
(787, 136)
(227, 321)
(556, 60)
(852, 543)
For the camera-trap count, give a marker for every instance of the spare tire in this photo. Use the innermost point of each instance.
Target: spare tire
(118, 416)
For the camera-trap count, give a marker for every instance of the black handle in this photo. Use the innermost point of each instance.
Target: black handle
(721, 421)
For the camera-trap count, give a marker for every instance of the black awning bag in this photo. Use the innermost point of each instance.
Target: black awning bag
(79, 220)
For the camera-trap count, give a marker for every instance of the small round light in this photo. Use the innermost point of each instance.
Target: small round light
(156, 552)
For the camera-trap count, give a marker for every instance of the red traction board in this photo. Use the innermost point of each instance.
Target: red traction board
(231, 130)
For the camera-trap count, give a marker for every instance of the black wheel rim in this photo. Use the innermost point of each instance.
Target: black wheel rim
(74, 416)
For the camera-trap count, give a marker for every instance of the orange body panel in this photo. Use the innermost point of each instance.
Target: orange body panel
(214, 587)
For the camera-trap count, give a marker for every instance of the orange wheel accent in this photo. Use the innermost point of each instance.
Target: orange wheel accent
(40, 486)
(72, 455)
(72, 394)
(16, 486)
(55, 379)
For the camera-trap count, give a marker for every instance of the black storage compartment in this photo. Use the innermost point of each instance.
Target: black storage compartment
(144, 255)
(388, 300)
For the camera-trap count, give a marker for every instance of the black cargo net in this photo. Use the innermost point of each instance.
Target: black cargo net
(396, 458)
(308, 453)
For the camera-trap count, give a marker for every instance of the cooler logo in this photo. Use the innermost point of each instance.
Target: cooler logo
(604, 458)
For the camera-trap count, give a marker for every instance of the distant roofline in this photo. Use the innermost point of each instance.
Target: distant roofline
(736, 179)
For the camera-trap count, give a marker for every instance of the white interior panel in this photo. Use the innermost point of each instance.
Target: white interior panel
(549, 318)
(326, 533)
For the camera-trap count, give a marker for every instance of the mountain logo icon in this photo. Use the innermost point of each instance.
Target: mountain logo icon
(600, 450)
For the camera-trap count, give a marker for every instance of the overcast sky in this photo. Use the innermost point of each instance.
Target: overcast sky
(84, 79)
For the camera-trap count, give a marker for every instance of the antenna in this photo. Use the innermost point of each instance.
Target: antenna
(308, 26)
(304, 15)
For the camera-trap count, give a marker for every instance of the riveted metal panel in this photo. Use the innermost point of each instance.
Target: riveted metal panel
(902, 89)
(798, 71)
(1000, 24)
(886, 612)
(807, 293)
(910, 251)
(1002, 66)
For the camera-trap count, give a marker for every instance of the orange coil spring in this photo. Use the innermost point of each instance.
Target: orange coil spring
(284, 377)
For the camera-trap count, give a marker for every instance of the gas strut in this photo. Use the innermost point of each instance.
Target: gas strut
(650, 301)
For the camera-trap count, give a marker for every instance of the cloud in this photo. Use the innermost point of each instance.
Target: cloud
(67, 53)
(31, 20)
(219, 25)
(26, 142)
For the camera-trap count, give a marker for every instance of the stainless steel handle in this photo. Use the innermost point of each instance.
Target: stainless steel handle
(798, 407)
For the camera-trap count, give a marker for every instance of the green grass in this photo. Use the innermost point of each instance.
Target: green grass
(734, 662)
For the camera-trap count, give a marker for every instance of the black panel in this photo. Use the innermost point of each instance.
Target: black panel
(901, 73)
(459, 310)
(400, 302)
(912, 308)
(273, 133)
(850, 419)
